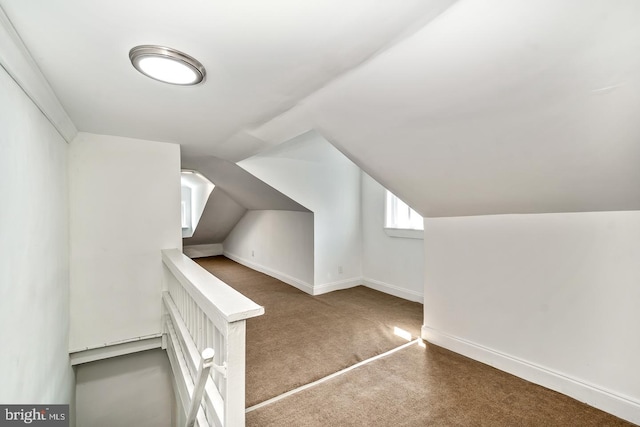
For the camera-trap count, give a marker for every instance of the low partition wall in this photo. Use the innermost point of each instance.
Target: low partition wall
(203, 315)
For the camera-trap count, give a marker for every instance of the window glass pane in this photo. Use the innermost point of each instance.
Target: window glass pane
(185, 222)
(185, 208)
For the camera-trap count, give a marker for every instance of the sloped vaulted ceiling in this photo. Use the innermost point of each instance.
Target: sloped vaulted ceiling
(235, 192)
(460, 108)
(496, 107)
(261, 58)
(500, 107)
(244, 188)
(220, 215)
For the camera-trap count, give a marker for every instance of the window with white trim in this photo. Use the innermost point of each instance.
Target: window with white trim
(400, 220)
(185, 217)
(185, 208)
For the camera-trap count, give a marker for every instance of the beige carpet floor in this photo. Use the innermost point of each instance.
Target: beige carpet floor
(302, 338)
(428, 387)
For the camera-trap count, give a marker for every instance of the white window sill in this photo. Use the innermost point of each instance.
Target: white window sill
(405, 233)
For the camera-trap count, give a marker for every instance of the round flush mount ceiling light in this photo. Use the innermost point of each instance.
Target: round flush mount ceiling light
(167, 65)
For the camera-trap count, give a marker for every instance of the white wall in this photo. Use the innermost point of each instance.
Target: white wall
(199, 197)
(315, 174)
(131, 390)
(34, 254)
(278, 243)
(196, 189)
(125, 208)
(394, 265)
(550, 297)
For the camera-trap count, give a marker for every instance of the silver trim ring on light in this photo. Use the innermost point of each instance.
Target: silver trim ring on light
(142, 51)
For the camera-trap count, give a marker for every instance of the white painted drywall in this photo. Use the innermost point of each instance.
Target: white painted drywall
(18, 63)
(125, 208)
(199, 197)
(220, 215)
(240, 185)
(131, 390)
(301, 46)
(552, 297)
(199, 190)
(34, 254)
(394, 265)
(315, 174)
(499, 107)
(278, 243)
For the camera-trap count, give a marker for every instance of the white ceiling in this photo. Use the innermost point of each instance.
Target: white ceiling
(261, 58)
(507, 107)
(460, 108)
(496, 107)
(244, 188)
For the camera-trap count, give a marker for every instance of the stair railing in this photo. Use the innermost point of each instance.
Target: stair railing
(205, 327)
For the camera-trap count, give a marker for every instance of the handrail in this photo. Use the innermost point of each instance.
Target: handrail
(230, 305)
(206, 362)
(205, 317)
(179, 336)
(184, 387)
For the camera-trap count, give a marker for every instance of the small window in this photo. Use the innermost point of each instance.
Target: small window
(185, 218)
(400, 219)
(185, 211)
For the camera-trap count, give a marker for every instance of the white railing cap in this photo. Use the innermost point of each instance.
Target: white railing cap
(212, 295)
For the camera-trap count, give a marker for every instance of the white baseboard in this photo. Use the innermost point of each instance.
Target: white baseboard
(621, 406)
(121, 348)
(332, 286)
(303, 286)
(393, 290)
(201, 251)
(336, 286)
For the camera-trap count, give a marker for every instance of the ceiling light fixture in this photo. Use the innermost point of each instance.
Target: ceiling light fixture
(167, 65)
